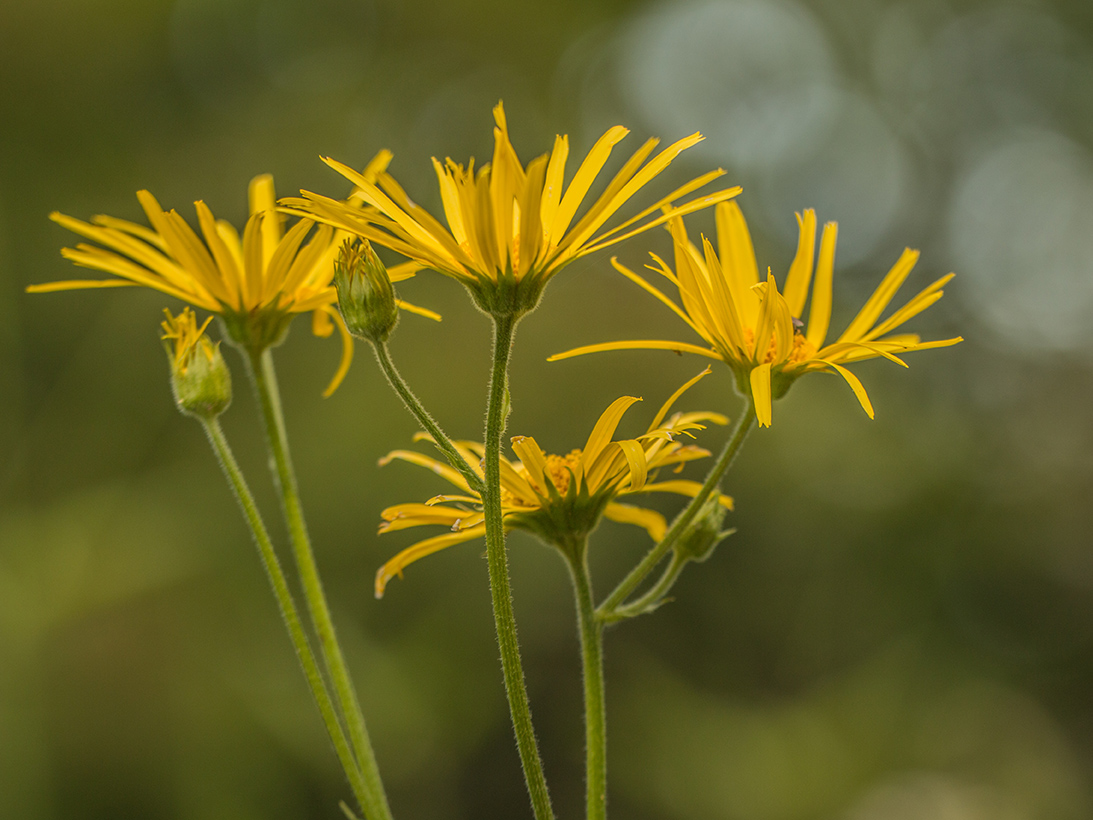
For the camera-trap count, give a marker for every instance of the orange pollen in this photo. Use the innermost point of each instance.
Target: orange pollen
(562, 468)
(803, 349)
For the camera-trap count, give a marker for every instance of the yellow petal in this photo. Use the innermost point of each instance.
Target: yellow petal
(603, 210)
(819, 315)
(684, 487)
(737, 256)
(445, 471)
(760, 392)
(533, 458)
(420, 311)
(800, 272)
(652, 521)
(516, 484)
(80, 284)
(664, 408)
(698, 204)
(605, 428)
(264, 200)
(664, 203)
(347, 349)
(419, 550)
(856, 386)
(582, 181)
(915, 306)
(677, 347)
(884, 293)
(637, 280)
(635, 459)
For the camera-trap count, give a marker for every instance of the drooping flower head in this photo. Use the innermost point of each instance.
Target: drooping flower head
(257, 283)
(558, 498)
(758, 330)
(510, 228)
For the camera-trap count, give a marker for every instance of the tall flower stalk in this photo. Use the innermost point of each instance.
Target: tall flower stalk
(257, 284)
(264, 380)
(561, 500)
(510, 230)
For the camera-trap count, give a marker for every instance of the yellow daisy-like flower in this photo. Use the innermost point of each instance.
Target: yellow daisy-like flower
(756, 329)
(510, 228)
(257, 283)
(558, 498)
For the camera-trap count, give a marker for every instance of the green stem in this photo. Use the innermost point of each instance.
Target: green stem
(443, 443)
(288, 608)
(265, 384)
(500, 591)
(595, 709)
(653, 597)
(628, 584)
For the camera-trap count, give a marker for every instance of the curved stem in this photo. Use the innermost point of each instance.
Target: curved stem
(289, 613)
(265, 384)
(443, 443)
(500, 590)
(628, 584)
(651, 599)
(595, 708)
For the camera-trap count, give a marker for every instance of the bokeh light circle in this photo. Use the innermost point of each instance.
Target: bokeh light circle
(755, 76)
(1020, 221)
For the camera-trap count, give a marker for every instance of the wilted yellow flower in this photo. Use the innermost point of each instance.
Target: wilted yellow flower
(558, 498)
(510, 229)
(199, 376)
(757, 330)
(257, 284)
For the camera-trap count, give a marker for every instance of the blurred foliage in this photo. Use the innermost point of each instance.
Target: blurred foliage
(901, 629)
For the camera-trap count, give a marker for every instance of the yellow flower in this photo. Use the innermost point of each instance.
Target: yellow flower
(510, 228)
(257, 284)
(558, 498)
(189, 339)
(757, 330)
(199, 377)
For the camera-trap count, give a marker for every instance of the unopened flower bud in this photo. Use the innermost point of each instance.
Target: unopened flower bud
(705, 533)
(365, 295)
(199, 376)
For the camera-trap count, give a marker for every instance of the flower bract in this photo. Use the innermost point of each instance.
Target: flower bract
(510, 228)
(758, 330)
(558, 498)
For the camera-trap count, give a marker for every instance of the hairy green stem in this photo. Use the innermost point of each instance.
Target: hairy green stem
(628, 584)
(595, 708)
(651, 599)
(443, 443)
(287, 605)
(265, 384)
(500, 590)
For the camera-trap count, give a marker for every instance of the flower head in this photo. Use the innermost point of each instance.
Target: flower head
(256, 283)
(365, 296)
(200, 378)
(510, 228)
(558, 498)
(757, 330)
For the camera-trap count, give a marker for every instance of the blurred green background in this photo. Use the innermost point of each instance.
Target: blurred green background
(902, 629)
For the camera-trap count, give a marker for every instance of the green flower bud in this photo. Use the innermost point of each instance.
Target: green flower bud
(200, 378)
(365, 294)
(705, 533)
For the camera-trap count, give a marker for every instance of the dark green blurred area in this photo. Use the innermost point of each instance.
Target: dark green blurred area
(902, 628)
